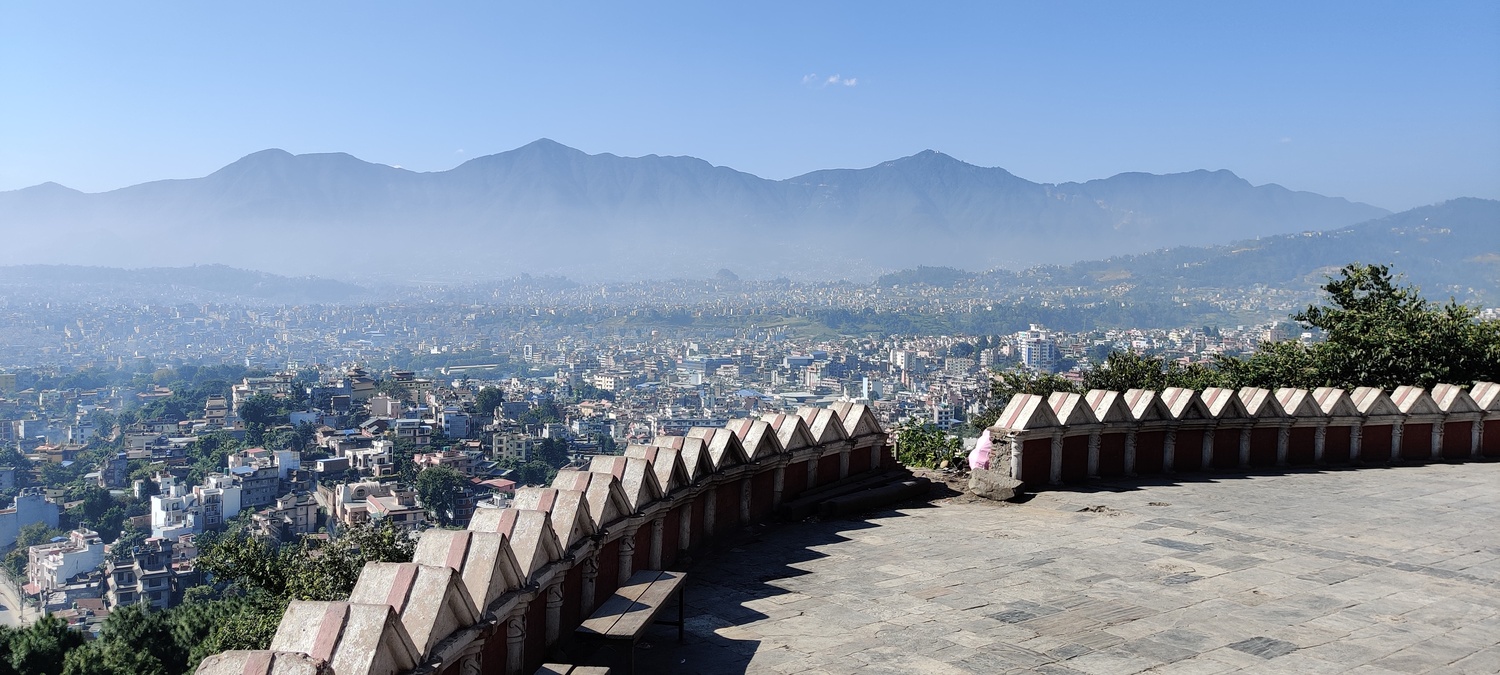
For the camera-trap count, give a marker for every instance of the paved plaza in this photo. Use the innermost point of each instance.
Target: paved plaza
(1393, 570)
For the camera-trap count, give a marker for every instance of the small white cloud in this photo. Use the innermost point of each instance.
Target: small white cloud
(459, 151)
(823, 82)
(1285, 139)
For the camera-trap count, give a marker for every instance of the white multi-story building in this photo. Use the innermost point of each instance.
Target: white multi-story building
(180, 510)
(1038, 349)
(51, 566)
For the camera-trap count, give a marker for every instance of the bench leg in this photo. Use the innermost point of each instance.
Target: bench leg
(681, 611)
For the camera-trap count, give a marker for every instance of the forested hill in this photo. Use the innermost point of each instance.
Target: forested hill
(1448, 249)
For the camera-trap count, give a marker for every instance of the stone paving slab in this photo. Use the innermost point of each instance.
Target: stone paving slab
(1392, 570)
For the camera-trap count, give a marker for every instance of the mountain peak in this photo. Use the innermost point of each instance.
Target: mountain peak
(51, 188)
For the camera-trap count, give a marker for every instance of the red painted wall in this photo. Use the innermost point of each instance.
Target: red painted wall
(572, 599)
(1336, 443)
(1112, 454)
(1458, 437)
(1036, 461)
(642, 557)
(1490, 444)
(1375, 443)
(609, 571)
(492, 655)
(828, 469)
(1187, 452)
(1301, 448)
(762, 489)
(671, 528)
(536, 633)
(796, 481)
(1075, 459)
(1416, 442)
(859, 460)
(697, 531)
(1263, 446)
(1148, 451)
(1226, 448)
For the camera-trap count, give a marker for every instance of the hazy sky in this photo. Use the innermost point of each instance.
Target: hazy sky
(1395, 104)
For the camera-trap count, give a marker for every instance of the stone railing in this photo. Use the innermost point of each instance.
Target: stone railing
(493, 598)
(1068, 438)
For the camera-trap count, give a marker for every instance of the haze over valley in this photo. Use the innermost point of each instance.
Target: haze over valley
(547, 208)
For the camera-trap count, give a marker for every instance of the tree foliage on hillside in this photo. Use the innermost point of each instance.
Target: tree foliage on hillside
(439, 488)
(1377, 333)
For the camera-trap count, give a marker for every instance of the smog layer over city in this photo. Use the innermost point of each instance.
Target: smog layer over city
(345, 339)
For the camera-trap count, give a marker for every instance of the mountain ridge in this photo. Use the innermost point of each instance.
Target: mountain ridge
(673, 211)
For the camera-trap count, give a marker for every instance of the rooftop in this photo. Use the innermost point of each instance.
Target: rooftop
(1361, 571)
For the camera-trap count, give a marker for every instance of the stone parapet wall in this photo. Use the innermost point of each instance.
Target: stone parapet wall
(1069, 438)
(495, 597)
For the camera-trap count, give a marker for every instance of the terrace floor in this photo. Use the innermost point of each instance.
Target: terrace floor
(1358, 571)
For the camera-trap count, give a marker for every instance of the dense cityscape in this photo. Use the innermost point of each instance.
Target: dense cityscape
(159, 422)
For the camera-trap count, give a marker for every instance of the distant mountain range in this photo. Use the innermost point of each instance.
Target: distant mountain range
(548, 208)
(1448, 250)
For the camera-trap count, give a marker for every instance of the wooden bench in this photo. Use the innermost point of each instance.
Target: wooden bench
(624, 617)
(569, 669)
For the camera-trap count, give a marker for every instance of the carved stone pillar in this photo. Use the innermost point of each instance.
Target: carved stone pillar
(1207, 461)
(843, 464)
(627, 556)
(658, 527)
(554, 595)
(745, 498)
(812, 470)
(590, 575)
(1094, 439)
(1169, 452)
(515, 642)
(1320, 440)
(1476, 437)
(1356, 437)
(1245, 447)
(1283, 439)
(778, 486)
(685, 527)
(1398, 434)
(1057, 451)
(1130, 452)
(1437, 441)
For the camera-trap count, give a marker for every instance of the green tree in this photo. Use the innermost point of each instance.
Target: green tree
(439, 488)
(555, 452)
(133, 640)
(488, 399)
(1123, 371)
(43, 646)
(922, 444)
(30, 535)
(1380, 333)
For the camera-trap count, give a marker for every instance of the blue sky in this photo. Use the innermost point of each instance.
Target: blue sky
(1395, 104)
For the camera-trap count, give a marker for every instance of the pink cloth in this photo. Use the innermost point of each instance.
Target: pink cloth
(979, 457)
